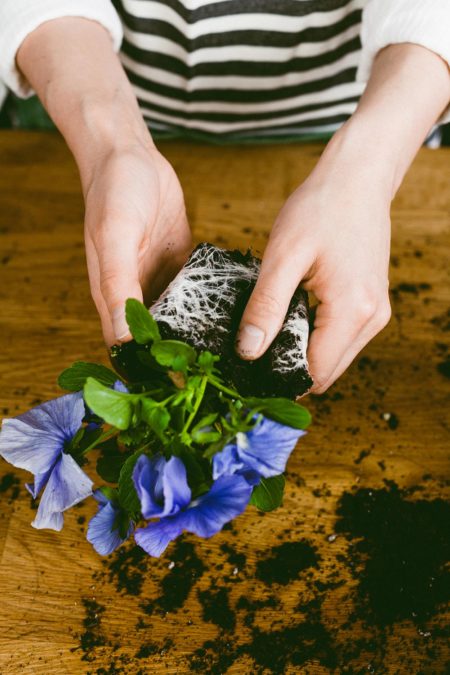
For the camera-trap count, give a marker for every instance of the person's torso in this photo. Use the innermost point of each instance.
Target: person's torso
(243, 69)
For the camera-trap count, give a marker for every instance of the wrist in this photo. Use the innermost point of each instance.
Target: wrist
(105, 126)
(356, 156)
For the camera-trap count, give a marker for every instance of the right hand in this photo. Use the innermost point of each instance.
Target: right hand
(136, 232)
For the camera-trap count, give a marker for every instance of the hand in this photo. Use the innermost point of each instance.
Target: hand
(136, 231)
(332, 235)
(137, 235)
(333, 232)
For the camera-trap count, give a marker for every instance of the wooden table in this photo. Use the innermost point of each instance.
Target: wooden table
(387, 419)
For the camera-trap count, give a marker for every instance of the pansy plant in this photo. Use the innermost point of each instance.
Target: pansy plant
(178, 448)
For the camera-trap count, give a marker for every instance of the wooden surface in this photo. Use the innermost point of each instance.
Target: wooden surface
(48, 320)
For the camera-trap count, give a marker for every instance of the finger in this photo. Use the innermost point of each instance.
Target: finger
(159, 270)
(94, 280)
(342, 328)
(375, 325)
(269, 302)
(118, 263)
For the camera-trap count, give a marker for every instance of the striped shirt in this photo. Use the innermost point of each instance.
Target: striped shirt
(241, 70)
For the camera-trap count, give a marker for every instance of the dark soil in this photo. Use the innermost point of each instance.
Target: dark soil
(286, 562)
(178, 582)
(255, 378)
(444, 367)
(399, 551)
(216, 607)
(390, 574)
(10, 486)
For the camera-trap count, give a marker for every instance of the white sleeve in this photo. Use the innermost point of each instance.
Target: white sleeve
(421, 22)
(18, 18)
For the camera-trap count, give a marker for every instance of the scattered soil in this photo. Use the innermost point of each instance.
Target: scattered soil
(383, 567)
(10, 486)
(286, 562)
(398, 553)
(444, 367)
(176, 585)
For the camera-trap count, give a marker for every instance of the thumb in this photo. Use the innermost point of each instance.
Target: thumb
(269, 302)
(118, 260)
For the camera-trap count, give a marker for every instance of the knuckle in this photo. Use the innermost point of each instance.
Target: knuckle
(365, 304)
(264, 303)
(383, 314)
(320, 385)
(108, 284)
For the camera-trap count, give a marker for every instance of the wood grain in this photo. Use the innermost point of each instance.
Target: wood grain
(48, 320)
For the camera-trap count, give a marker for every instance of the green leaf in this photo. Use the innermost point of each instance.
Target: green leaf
(205, 421)
(76, 440)
(196, 474)
(122, 523)
(203, 433)
(268, 495)
(114, 407)
(206, 362)
(142, 325)
(89, 438)
(74, 378)
(203, 437)
(109, 492)
(109, 466)
(281, 410)
(174, 354)
(128, 498)
(157, 418)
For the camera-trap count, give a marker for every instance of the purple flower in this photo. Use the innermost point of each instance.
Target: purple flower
(119, 386)
(103, 530)
(164, 493)
(263, 451)
(36, 441)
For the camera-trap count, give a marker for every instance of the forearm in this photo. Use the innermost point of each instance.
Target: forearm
(71, 64)
(408, 90)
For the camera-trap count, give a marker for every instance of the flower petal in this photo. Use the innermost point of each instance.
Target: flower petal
(226, 462)
(155, 538)
(268, 447)
(177, 493)
(161, 486)
(100, 532)
(40, 480)
(34, 440)
(67, 485)
(144, 479)
(119, 386)
(101, 497)
(227, 498)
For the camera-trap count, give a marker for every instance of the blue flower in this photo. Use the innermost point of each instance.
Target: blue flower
(103, 530)
(263, 451)
(164, 493)
(119, 386)
(36, 441)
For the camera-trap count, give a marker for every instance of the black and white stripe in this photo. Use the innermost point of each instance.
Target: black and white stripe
(243, 69)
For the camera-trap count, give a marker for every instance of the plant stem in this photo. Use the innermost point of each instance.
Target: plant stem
(201, 393)
(222, 387)
(108, 434)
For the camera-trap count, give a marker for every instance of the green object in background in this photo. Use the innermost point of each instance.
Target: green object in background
(19, 113)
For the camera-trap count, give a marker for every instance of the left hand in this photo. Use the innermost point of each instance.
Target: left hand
(333, 232)
(333, 235)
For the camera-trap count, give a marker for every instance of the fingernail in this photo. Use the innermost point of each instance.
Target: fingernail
(249, 340)
(120, 326)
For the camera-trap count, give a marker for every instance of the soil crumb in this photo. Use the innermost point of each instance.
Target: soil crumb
(286, 561)
(398, 552)
(176, 585)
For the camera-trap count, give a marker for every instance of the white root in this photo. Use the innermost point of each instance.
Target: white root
(201, 295)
